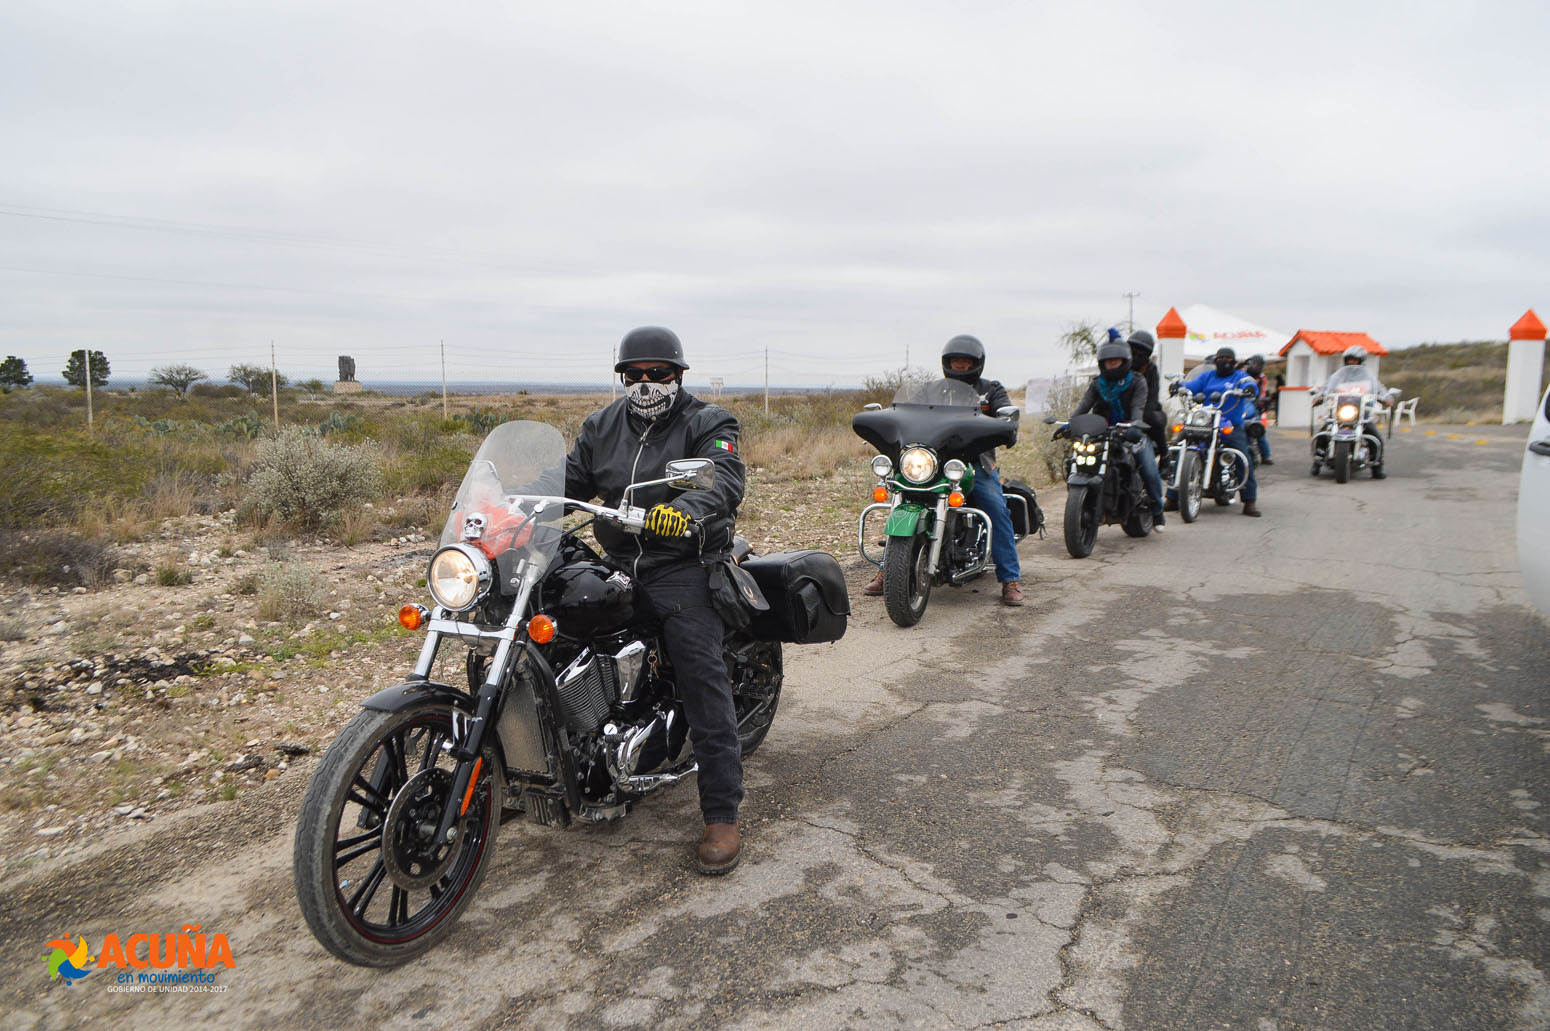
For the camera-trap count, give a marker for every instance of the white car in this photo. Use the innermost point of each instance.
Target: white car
(1534, 510)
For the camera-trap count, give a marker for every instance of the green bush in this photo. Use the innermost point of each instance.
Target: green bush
(289, 591)
(302, 480)
(55, 558)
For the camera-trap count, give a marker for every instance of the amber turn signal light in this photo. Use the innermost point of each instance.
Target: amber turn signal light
(879, 493)
(1227, 429)
(955, 499)
(540, 629)
(411, 617)
(1178, 427)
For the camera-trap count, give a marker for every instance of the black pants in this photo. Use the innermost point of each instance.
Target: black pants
(679, 596)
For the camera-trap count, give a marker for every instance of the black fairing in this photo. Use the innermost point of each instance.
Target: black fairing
(588, 598)
(952, 431)
(1088, 424)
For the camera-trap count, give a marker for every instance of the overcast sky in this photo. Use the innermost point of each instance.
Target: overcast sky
(837, 183)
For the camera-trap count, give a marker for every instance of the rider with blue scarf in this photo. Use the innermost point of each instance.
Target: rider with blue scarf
(1223, 375)
(1119, 394)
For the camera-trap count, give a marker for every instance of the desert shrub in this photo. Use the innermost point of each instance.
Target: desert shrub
(56, 558)
(173, 575)
(428, 465)
(1047, 455)
(289, 591)
(301, 479)
(49, 476)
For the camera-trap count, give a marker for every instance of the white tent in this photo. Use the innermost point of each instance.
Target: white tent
(1209, 329)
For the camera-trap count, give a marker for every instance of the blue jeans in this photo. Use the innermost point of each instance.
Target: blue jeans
(986, 496)
(1149, 474)
(1264, 446)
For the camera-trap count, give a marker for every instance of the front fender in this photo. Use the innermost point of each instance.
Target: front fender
(905, 520)
(1084, 480)
(407, 695)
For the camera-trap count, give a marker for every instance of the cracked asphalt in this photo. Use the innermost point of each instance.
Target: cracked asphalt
(1268, 774)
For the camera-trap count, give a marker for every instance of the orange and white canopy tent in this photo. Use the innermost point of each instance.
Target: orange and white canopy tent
(1207, 329)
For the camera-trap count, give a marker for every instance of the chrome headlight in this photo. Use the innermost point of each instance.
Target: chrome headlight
(1200, 417)
(1346, 412)
(881, 467)
(917, 464)
(459, 576)
(954, 470)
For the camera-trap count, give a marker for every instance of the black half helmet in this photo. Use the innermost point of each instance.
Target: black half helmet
(1142, 341)
(1256, 364)
(964, 346)
(651, 344)
(1114, 349)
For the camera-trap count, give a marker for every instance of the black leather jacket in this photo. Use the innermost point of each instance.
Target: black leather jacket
(616, 447)
(992, 399)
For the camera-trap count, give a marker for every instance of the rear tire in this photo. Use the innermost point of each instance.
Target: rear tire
(756, 673)
(1081, 521)
(1191, 486)
(1342, 461)
(906, 581)
(1140, 522)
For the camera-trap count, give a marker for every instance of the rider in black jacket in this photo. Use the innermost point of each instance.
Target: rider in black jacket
(631, 440)
(1120, 394)
(1142, 348)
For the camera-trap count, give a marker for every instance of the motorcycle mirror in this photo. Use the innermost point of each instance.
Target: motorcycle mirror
(691, 474)
(1199, 399)
(1049, 420)
(1216, 395)
(872, 406)
(1010, 412)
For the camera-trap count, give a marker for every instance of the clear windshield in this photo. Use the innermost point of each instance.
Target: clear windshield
(518, 470)
(1351, 379)
(938, 392)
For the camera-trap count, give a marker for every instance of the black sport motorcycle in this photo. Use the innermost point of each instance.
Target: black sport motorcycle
(1103, 481)
(569, 710)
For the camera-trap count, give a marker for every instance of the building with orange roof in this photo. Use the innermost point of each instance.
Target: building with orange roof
(1311, 356)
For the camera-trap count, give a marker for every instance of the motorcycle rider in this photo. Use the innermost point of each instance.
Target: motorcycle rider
(963, 359)
(655, 422)
(1119, 393)
(1222, 375)
(1356, 356)
(1255, 367)
(1142, 345)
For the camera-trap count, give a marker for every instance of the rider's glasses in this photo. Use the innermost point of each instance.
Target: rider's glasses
(656, 374)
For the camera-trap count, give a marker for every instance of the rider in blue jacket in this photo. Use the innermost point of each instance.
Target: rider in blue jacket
(1223, 375)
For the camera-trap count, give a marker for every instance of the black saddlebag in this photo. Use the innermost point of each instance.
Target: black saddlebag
(806, 591)
(1027, 519)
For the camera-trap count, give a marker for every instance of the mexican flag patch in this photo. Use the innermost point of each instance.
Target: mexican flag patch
(725, 445)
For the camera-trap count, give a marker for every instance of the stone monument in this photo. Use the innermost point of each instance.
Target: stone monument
(347, 383)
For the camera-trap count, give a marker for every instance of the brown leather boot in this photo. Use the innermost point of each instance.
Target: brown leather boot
(876, 586)
(1251, 509)
(1012, 593)
(720, 848)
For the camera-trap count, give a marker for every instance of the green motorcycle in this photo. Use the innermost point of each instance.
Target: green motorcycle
(928, 442)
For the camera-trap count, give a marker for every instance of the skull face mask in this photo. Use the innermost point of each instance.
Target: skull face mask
(648, 399)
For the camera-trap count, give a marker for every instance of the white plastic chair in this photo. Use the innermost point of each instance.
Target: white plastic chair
(1405, 409)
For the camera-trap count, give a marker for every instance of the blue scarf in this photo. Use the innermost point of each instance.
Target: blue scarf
(1112, 392)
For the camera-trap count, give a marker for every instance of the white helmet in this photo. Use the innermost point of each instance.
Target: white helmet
(1356, 351)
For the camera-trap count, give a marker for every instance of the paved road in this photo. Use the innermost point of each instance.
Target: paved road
(1265, 774)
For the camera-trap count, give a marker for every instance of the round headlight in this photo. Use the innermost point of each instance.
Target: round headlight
(1200, 418)
(954, 470)
(917, 464)
(881, 467)
(459, 576)
(1346, 413)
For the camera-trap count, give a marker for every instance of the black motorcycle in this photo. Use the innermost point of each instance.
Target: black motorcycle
(1103, 481)
(928, 443)
(569, 710)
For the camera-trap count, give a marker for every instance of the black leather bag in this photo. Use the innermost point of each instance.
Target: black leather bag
(806, 592)
(1027, 518)
(735, 593)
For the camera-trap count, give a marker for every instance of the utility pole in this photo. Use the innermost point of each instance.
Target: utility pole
(274, 386)
(766, 381)
(1131, 321)
(87, 352)
(443, 344)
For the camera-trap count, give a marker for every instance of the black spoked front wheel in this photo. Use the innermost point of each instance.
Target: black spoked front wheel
(375, 888)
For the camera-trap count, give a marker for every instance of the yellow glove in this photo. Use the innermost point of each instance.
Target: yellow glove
(667, 522)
